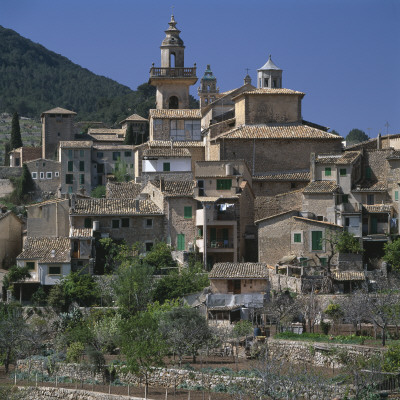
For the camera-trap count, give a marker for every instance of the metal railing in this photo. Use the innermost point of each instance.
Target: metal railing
(181, 72)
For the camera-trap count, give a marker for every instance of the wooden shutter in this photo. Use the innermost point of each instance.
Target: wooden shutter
(181, 241)
(316, 240)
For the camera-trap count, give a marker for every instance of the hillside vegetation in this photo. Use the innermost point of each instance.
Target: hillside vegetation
(34, 79)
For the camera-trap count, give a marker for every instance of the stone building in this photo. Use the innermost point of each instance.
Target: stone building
(10, 238)
(23, 155)
(208, 91)
(57, 125)
(46, 176)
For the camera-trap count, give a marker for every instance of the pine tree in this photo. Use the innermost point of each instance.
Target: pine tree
(129, 139)
(15, 140)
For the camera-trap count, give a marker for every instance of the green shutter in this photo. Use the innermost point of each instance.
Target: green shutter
(368, 172)
(81, 165)
(396, 195)
(166, 167)
(224, 184)
(181, 241)
(88, 222)
(70, 166)
(316, 240)
(327, 171)
(343, 172)
(297, 238)
(82, 179)
(188, 212)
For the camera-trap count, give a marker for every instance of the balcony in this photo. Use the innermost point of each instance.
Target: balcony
(173, 72)
(220, 244)
(216, 216)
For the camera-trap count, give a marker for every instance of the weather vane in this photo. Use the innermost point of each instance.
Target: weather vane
(247, 70)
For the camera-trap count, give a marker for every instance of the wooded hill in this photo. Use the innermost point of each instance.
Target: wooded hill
(34, 79)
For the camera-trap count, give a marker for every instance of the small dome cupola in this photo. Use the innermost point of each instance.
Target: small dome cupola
(172, 48)
(269, 75)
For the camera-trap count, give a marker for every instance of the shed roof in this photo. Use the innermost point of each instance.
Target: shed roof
(239, 270)
(123, 190)
(321, 187)
(134, 117)
(345, 158)
(176, 188)
(167, 152)
(303, 175)
(348, 275)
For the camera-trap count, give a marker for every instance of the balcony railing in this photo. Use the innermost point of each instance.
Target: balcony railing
(220, 244)
(173, 72)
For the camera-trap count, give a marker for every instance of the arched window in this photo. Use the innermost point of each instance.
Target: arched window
(173, 103)
(172, 60)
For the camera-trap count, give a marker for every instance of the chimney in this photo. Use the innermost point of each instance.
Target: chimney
(378, 142)
(137, 205)
(162, 184)
(312, 167)
(53, 253)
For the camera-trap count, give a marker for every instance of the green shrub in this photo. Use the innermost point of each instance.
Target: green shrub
(75, 352)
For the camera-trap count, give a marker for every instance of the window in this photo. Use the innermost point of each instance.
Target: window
(320, 217)
(188, 212)
(30, 264)
(69, 179)
(70, 154)
(166, 167)
(368, 172)
(297, 238)
(100, 168)
(128, 154)
(54, 270)
(266, 83)
(125, 222)
(327, 171)
(148, 223)
(34, 175)
(81, 153)
(370, 199)
(42, 175)
(181, 242)
(81, 165)
(56, 174)
(70, 189)
(82, 179)
(323, 261)
(149, 246)
(343, 171)
(345, 198)
(88, 222)
(115, 223)
(70, 166)
(303, 261)
(100, 154)
(292, 185)
(316, 240)
(396, 194)
(224, 184)
(200, 185)
(116, 155)
(185, 129)
(200, 232)
(49, 175)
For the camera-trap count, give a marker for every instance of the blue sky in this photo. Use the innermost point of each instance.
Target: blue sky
(345, 55)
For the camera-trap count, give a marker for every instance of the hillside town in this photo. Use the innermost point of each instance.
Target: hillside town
(292, 229)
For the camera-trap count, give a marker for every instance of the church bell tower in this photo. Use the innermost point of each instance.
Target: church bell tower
(172, 79)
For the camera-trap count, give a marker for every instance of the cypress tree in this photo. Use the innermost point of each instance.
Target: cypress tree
(24, 185)
(7, 149)
(15, 140)
(129, 139)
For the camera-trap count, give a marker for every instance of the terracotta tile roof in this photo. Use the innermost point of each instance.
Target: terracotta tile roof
(321, 187)
(395, 155)
(176, 143)
(318, 222)
(80, 232)
(286, 131)
(76, 144)
(133, 117)
(58, 110)
(370, 187)
(104, 207)
(113, 147)
(276, 215)
(284, 176)
(345, 158)
(106, 131)
(378, 208)
(106, 138)
(269, 91)
(176, 188)
(41, 248)
(238, 270)
(43, 203)
(175, 114)
(167, 152)
(123, 190)
(348, 275)
(212, 199)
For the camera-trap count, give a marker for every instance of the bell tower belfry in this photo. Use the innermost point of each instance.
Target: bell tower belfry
(269, 76)
(172, 79)
(208, 91)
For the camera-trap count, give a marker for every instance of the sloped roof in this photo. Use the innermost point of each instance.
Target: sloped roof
(102, 207)
(175, 113)
(239, 270)
(321, 187)
(133, 117)
(106, 131)
(269, 65)
(273, 91)
(123, 190)
(58, 110)
(41, 248)
(367, 186)
(318, 222)
(175, 143)
(76, 144)
(348, 275)
(344, 158)
(167, 152)
(277, 131)
(7, 214)
(176, 188)
(284, 176)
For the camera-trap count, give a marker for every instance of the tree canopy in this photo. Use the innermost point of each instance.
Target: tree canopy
(15, 140)
(356, 136)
